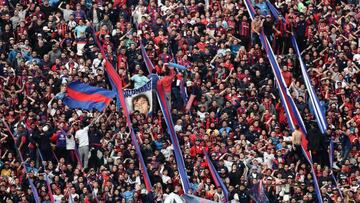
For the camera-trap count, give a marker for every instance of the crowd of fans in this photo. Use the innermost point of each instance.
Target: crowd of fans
(237, 116)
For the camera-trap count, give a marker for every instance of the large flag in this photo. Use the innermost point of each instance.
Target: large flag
(216, 177)
(314, 100)
(292, 113)
(195, 199)
(139, 99)
(146, 58)
(116, 84)
(170, 125)
(258, 193)
(173, 137)
(83, 96)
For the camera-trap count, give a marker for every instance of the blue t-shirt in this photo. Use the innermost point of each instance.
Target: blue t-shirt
(128, 195)
(79, 29)
(139, 81)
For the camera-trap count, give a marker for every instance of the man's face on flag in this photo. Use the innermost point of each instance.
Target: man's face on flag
(141, 104)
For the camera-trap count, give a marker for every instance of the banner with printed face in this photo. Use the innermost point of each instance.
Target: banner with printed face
(139, 99)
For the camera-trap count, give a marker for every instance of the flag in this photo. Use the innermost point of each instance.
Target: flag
(258, 193)
(139, 99)
(314, 100)
(116, 84)
(195, 199)
(146, 58)
(83, 96)
(170, 125)
(34, 191)
(217, 179)
(292, 113)
(173, 137)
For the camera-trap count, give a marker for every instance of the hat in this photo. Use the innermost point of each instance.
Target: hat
(45, 128)
(107, 36)
(39, 35)
(46, 28)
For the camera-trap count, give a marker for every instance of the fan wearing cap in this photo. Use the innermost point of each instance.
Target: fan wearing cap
(269, 27)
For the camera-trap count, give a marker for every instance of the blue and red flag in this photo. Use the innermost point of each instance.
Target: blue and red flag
(117, 87)
(146, 58)
(170, 125)
(174, 140)
(216, 177)
(292, 113)
(83, 96)
(314, 100)
(258, 193)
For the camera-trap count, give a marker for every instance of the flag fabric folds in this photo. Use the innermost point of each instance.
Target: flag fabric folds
(146, 58)
(258, 193)
(170, 126)
(83, 96)
(292, 113)
(117, 87)
(214, 174)
(314, 100)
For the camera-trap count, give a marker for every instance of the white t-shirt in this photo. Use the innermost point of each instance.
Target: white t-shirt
(228, 164)
(83, 136)
(70, 143)
(177, 128)
(165, 179)
(57, 198)
(268, 159)
(168, 151)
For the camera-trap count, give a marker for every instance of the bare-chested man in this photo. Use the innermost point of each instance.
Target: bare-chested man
(296, 140)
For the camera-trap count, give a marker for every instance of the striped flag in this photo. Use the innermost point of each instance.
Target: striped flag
(146, 58)
(34, 191)
(84, 96)
(314, 100)
(170, 125)
(217, 179)
(292, 113)
(116, 83)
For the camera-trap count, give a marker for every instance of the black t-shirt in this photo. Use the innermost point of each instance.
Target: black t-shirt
(268, 27)
(47, 10)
